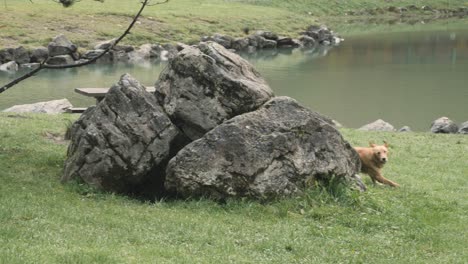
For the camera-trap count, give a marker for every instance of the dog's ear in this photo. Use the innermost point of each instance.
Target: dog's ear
(371, 144)
(386, 144)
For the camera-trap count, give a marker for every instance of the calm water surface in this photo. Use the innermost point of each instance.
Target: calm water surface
(406, 78)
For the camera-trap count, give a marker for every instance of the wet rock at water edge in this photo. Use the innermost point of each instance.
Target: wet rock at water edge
(9, 67)
(123, 143)
(444, 125)
(275, 151)
(39, 54)
(60, 60)
(205, 85)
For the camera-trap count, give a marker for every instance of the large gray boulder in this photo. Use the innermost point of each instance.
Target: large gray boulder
(463, 128)
(378, 125)
(60, 45)
(49, 107)
(276, 151)
(444, 125)
(205, 85)
(122, 144)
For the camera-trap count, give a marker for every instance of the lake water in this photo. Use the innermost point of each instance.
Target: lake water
(408, 78)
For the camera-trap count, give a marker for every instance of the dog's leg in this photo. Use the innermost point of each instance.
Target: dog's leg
(384, 180)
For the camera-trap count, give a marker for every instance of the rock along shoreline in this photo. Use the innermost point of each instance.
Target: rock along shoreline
(61, 51)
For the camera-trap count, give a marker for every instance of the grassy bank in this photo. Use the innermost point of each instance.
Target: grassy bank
(43, 221)
(87, 22)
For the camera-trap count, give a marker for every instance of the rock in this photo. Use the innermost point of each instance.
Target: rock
(123, 143)
(60, 45)
(444, 125)
(269, 44)
(10, 67)
(276, 151)
(60, 60)
(124, 48)
(205, 85)
(20, 55)
(105, 44)
(463, 128)
(405, 129)
(256, 41)
(307, 41)
(145, 52)
(285, 42)
(267, 35)
(39, 54)
(50, 107)
(223, 40)
(320, 33)
(378, 125)
(240, 44)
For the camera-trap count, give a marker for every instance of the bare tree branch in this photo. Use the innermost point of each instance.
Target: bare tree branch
(43, 65)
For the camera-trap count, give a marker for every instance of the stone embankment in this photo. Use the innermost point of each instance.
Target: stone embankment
(61, 51)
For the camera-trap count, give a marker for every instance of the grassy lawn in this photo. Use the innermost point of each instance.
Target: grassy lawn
(43, 221)
(87, 22)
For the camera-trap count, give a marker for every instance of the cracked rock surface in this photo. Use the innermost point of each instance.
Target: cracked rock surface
(122, 143)
(275, 151)
(205, 85)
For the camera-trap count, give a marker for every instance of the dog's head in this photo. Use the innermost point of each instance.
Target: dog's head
(380, 152)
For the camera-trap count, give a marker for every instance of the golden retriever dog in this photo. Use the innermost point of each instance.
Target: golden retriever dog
(373, 159)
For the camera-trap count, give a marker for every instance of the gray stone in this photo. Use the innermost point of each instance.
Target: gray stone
(378, 125)
(463, 128)
(267, 35)
(20, 55)
(123, 143)
(256, 41)
(105, 44)
(286, 42)
(60, 60)
(50, 107)
(10, 67)
(60, 45)
(307, 41)
(39, 54)
(223, 40)
(405, 129)
(109, 57)
(205, 85)
(269, 44)
(444, 125)
(276, 151)
(240, 44)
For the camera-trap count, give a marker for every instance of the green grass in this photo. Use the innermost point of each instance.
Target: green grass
(43, 221)
(87, 22)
